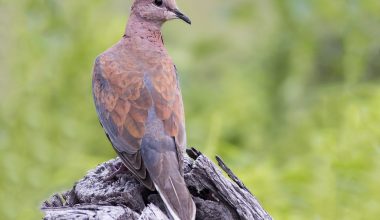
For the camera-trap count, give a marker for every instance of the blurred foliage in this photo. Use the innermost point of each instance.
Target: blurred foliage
(287, 92)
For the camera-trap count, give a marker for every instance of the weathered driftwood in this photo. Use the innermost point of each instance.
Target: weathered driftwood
(122, 197)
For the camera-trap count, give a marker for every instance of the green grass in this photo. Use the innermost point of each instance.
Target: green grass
(287, 92)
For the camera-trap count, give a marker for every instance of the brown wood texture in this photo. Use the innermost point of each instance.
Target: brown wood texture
(123, 197)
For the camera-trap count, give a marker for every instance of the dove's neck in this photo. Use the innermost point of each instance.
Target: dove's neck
(140, 28)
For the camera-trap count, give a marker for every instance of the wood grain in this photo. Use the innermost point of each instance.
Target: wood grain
(123, 197)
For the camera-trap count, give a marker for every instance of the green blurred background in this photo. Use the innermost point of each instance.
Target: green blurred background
(287, 92)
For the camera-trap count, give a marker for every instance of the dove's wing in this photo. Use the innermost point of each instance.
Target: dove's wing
(167, 100)
(163, 153)
(122, 102)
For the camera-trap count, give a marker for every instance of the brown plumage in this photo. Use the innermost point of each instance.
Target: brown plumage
(139, 104)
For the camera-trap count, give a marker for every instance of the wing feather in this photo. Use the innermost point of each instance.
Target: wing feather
(122, 102)
(169, 107)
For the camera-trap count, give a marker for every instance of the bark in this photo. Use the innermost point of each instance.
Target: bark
(100, 195)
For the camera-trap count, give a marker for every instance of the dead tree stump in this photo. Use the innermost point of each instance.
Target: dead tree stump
(122, 197)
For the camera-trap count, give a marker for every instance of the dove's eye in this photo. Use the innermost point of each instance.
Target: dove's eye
(158, 2)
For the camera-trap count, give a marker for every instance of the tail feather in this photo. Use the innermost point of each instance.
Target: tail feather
(178, 200)
(164, 170)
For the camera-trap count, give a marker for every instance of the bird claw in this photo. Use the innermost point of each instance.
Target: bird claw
(120, 170)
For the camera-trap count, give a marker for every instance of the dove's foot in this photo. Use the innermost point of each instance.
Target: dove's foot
(122, 169)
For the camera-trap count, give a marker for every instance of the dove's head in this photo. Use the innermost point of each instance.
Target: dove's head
(158, 11)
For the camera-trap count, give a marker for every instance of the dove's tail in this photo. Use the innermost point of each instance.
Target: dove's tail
(177, 200)
(160, 158)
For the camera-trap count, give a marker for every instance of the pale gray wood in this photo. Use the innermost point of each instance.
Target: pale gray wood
(90, 212)
(99, 195)
(151, 212)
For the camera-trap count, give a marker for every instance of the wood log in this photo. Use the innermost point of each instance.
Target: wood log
(97, 196)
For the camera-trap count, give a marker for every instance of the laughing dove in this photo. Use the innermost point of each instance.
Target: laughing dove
(139, 104)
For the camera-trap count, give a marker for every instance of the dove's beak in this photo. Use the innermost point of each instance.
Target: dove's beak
(181, 16)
